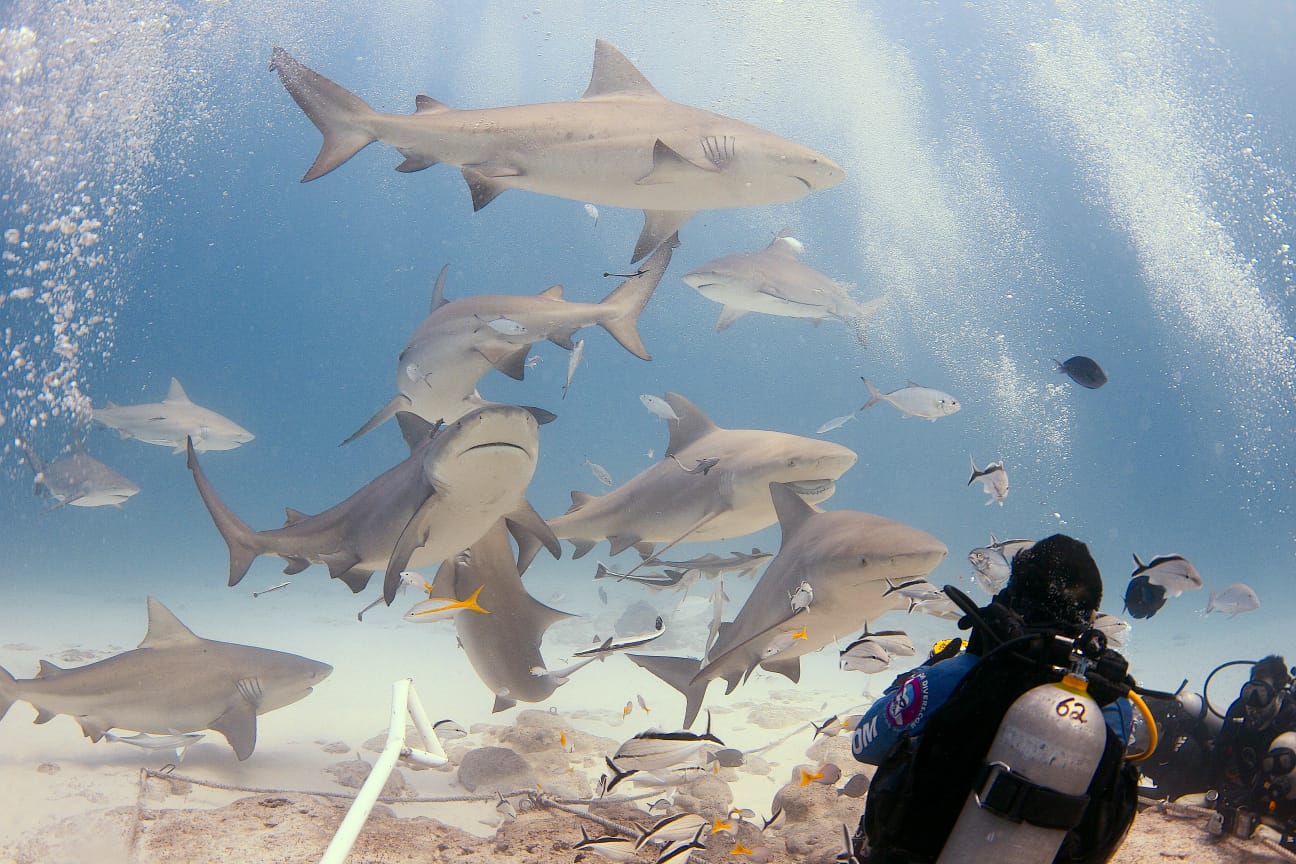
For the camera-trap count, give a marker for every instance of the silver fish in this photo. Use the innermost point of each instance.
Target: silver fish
(864, 655)
(659, 406)
(655, 749)
(613, 848)
(1234, 600)
(448, 730)
(801, 597)
(600, 473)
(835, 423)
(578, 351)
(712, 565)
(679, 827)
(701, 466)
(914, 400)
(178, 743)
(992, 565)
(1174, 573)
(504, 326)
(993, 479)
(1115, 629)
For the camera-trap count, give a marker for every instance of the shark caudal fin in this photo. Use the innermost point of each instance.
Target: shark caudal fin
(626, 302)
(239, 537)
(8, 696)
(679, 673)
(342, 117)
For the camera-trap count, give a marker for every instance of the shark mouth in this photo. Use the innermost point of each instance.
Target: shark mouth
(490, 445)
(810, 487)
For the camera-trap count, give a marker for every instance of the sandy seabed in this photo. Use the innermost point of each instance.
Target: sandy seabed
(67, 800)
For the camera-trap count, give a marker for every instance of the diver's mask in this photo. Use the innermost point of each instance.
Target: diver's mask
(1259, 702)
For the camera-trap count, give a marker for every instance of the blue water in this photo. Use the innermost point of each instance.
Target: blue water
(1106, 179)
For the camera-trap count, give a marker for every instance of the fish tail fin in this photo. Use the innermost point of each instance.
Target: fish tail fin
(342, 117)
(628, 299)
(874, 394)
(678, 672)
(7, 695)
(1210, 607)
(471, 604)
(238, 536)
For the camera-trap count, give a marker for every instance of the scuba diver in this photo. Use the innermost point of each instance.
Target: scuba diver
(1014, 748)
(1253, 770)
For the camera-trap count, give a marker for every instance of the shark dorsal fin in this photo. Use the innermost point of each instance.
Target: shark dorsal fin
(614, 75)
(438, 290)
(49, 670)
(175, 393)
(785, 244)
(427, 105)
(791, 508)
(414, 428)
(692, 426)
(164, 628)
(292, 517)
(553, 292)
(581, 498)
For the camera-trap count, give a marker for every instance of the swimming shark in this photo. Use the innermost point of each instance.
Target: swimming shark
(438, 370)
(169, 422)
(622, 144)
(504, 646)
(664, 504)
(79, 479)
(848, 557)
(173, 683)
(458, 480)
(775, 282)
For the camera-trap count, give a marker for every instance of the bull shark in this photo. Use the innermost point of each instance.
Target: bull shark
(173, 683)
(169, 422)
(438, 370)
(504, 646)
(622, 144)
(849, 558)
(458, 480)
(775, 282)
(663, 504)
(79, 479)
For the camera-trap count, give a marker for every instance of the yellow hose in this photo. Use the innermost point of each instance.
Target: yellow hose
(1147, 721)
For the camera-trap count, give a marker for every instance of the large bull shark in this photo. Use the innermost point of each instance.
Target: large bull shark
(849, 559)
(79, 479)
(169, 422)
(712, 484)
(173, 683)
(773, 281)
(504, 645)
(458, 480)
(622, 144)
(461, 340)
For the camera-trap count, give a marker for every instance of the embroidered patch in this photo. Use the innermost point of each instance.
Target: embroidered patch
(909, 704)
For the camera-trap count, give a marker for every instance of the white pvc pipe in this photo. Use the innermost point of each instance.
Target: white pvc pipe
(349, 830)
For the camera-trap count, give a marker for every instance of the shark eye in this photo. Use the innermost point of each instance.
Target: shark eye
(863, 562)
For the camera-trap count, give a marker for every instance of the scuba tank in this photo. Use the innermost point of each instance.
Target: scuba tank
(1279, 767)
(1031, 790)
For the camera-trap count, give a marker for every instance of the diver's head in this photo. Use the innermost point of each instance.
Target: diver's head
(1260, 695)
(1054, 583)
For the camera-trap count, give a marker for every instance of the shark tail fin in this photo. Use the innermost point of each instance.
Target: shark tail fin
(678, 672)
(629, 298)
(239, 537)
(7, 695)
(341, 116)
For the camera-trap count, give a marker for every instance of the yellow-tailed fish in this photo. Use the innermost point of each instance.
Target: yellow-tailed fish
(441, 608)
(625, 712)
(807, 778)
(740, 849)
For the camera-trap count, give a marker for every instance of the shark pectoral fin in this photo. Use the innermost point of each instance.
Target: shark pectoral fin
(621, 542)
(502, 703)
(659, 227)
(413, 537)
(790, 668)
(93, 729)
(65, 502)
(385, 413)
(531, 533)
(44, 715)
(670, 167)
(414, 162)
(680, 673)
(728, 315)
(511, 361)
(356, 579)
(484, 188)
(238, 725)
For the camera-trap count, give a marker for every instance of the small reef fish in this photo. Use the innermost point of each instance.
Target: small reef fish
(719, 825)
(826, 774)
(629, 706)
(855, 787)
(914, 400)
(656, 580)
(448, 730)
(504, 326)
(600, 473)
(1142, 598)
(654, 749)
(659, 406)
(1115, 629)
(993, 479)
(681, 852)
(613, 848)
(864, 655)
(836, 423)
(914, 590)
(578, 351)
(802, 597)
(702, 466)
(592, 212)
(1233, 600)
(992, 565)
(740, 849)
(781, 642)
(1174, 573)
(642, 703)
(562, 742)
(444, 608)
(611, 645)
(678, 827)
(727, 757)
(774, 817)
(938, 607)
(271, 588)
(1083, 371)
(179, 743)
(532, 362)
(828, 728)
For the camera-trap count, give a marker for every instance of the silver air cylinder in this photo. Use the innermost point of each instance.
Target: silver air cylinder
(1053, 736)
(1280, 766)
